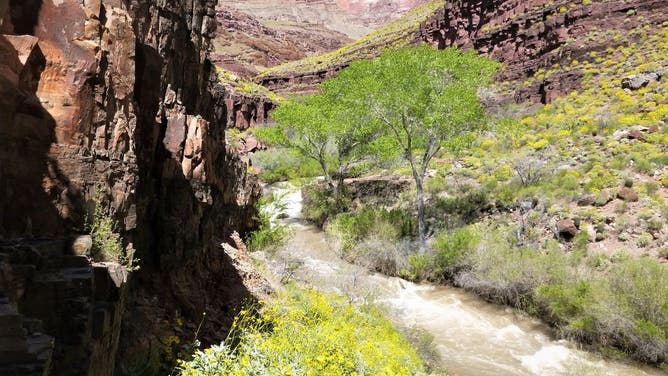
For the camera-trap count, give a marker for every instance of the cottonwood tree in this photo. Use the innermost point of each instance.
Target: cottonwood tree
(413, 102)
(323, 127)
(425, 99)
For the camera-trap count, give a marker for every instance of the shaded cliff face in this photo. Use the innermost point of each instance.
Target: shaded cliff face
(524, 35)
(116, 99)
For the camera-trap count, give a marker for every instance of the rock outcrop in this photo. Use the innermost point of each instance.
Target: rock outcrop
(524, 35)
(246, 46)
(637, 81)
(529, 35)
(115, 103)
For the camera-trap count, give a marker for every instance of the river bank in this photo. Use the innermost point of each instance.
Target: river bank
(471, 336)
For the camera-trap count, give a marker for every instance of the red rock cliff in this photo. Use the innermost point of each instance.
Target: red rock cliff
(529, 35)
(115, 98)
(524, 35)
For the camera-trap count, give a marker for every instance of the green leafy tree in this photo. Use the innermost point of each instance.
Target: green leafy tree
(425, 99)
(412, 102)
(324, 128)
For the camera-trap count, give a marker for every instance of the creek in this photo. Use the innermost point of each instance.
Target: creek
(471, 336)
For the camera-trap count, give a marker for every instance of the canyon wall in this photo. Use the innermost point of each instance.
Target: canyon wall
(115, 103)
(353, 18)
(523, 35)
(529, 35)
(246, 45)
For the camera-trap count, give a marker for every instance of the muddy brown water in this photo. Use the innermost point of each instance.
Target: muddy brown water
(471, 336)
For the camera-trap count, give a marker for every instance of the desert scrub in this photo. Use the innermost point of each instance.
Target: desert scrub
(304, 332)
(376, 238)
(246, 87)
(620, 302)
(394, 34)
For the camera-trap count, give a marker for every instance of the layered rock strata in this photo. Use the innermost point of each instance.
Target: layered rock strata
(529, 35)
(115, 103)
(353, 18)
(524, 35)
(245, 46)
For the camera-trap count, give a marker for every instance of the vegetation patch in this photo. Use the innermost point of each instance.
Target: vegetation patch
(107, 242)
(559, 212)
(270, 233)
(304, 332)
(250, 88)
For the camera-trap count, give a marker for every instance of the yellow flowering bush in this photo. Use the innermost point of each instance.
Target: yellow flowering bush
(304, 332)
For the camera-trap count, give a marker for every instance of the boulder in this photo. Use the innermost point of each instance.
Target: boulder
(82, 245)
(586, 200)
(603, 198)
(627, 194)
(637, 81)
(636, 134)
(566, 229)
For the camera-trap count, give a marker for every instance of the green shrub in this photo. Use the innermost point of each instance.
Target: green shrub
(600, 178)
(580, 246)
(620, 162)
(452, 248)
(376, 238)
(564, 183)
(456, 211)
(420, 268)
(107, 243)
(321, 203)
(270, 234)
(403, 223)
(509, 275)
(505, 198)
(641, 164)
(566, 302)
(641, 296)
(664, 180)
(644, 240)
(651, 188)
(352, 227)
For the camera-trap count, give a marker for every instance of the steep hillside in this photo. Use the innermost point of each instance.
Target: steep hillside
(245, 46)
(303, 75)
(525, 36)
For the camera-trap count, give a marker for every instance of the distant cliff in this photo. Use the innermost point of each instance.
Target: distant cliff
(524, 35)
(353, 18)
(246, 45)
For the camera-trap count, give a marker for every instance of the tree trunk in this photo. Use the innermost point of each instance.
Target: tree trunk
(325, 171)
(420, 213)
(339, 185)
